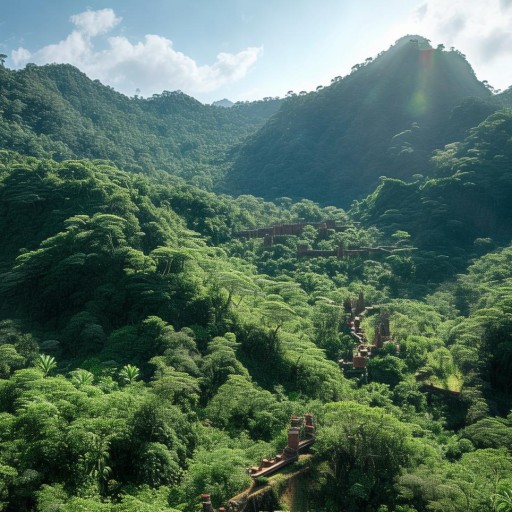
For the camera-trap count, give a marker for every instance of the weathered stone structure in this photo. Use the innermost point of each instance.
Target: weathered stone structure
(207, 504)
(364, 350)
(340, 252)
(290, 229)
(291, 452)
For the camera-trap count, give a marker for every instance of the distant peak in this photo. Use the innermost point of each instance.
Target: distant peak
(225, 103)
(421, 41)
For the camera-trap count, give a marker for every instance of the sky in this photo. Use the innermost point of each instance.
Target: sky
(244, 49)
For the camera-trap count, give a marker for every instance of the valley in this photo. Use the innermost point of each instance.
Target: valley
(178, 280)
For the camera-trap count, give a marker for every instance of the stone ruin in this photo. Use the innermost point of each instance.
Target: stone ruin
(291, 452)
(269, 233)
(207, 504)
(288, 229)
(340, 252)
(364, 350)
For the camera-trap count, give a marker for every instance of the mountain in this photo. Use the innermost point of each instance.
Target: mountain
(462, 211)
(58, 110)
(223, 103)
(153, 347)
(331, 146)
(384, 118)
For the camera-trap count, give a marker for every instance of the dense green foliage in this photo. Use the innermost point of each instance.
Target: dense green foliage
(463, 211)
(143, 363)
(56, 110)
(384, 118)
(148, 354)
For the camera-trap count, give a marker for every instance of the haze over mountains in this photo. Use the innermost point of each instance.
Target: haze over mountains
(57, 110)
(385, 118)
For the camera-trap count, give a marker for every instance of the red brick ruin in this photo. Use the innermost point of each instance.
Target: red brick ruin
(269, 233)
(292, 450)
(290, 454)
(340, 252)
(294, 228)
(207, 504)
(364, 350)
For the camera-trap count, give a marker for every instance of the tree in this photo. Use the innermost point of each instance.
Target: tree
(7, 477)
(219, 364)
(96, 459)
(490, 433)
(220, 472)
(9, 360)
(502, 502)
(81, 377)
(470, 483)
(46, 364)
(240, 405)
(327, 320)
(442, 361)
(237, 284)
(388, 370)
(179, 387)
(129, 374)
(401, 237)
(364, 450)
(156, 465)
(276, 313)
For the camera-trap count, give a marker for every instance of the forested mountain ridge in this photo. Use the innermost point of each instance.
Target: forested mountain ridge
(463, 210)
(150, 351)
(56, 110)
(384, 118)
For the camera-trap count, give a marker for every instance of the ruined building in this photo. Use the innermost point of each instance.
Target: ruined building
(301, 435)
(293, 449)
(364, 349)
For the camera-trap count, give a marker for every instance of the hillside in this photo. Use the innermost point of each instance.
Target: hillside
(56, 110)
(384, 118)
(330, 146)
(157, 339)
(462, 211)
(143, 363)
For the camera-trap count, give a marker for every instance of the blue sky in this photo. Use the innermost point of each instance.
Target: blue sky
(245, 49)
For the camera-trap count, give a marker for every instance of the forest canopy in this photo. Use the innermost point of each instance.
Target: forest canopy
(157, 333)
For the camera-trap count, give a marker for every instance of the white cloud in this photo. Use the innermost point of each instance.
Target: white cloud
(495, 45)
(20, 55)
(151, 65)
(480, 30)
(74, 49)
(421, 11)
(93, 23)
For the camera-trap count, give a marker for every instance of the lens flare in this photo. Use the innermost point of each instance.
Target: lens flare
(419, 101)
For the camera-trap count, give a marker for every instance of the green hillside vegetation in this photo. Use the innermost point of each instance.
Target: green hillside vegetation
(143, 363)
(149, 352)
(55, 110)
(463, 211)
(384, 118)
